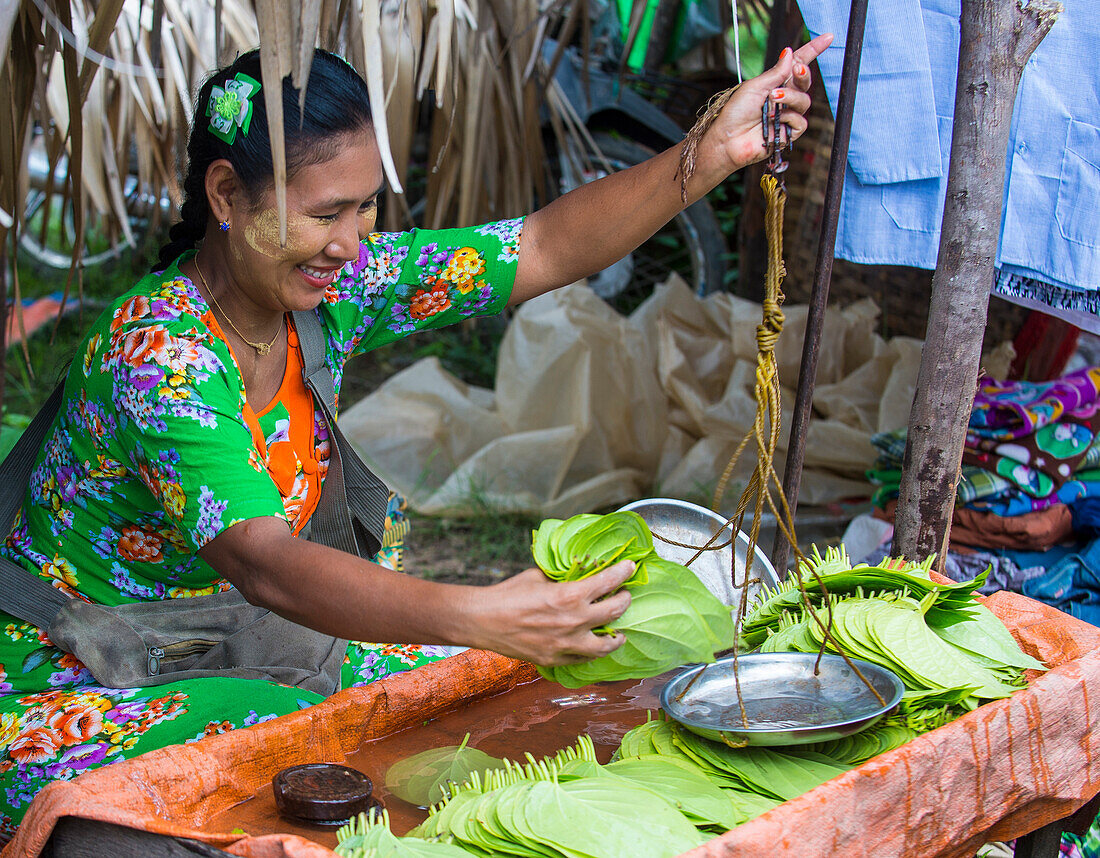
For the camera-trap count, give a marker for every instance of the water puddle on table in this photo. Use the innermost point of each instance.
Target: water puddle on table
(539, 717)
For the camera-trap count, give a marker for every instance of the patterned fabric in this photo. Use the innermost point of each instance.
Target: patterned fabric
(1012, 409)
(1029, 446)
(1018, 503)
(1038, 464)
(151, 457)
(1035, 434)
(891, 451)
(975, 484)
(1083, 847)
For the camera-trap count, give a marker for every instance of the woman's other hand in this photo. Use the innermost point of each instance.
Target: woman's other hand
(736, 134)
(550, 623)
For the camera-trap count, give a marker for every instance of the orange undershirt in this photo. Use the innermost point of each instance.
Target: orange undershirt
(292, 465)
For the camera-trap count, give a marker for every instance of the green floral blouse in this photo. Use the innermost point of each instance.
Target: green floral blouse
(150, 458)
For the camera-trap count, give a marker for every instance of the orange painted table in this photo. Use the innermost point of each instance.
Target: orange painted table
(1006, 769)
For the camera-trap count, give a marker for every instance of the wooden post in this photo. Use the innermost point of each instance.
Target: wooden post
(996, 39)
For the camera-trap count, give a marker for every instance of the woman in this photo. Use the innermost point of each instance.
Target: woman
(187, 454)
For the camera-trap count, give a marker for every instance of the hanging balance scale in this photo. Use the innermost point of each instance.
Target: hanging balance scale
(758, 699)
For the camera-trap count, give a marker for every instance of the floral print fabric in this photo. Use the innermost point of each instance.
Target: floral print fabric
(1035, 435)
(151, 457)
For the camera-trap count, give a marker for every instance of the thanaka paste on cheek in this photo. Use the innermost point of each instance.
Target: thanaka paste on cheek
(262, 234)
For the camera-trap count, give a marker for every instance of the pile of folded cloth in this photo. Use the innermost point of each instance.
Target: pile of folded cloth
(1028, 502)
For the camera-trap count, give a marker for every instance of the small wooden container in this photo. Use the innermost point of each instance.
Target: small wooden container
(323, 793)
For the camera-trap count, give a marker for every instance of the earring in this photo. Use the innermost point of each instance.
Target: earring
(224, 226)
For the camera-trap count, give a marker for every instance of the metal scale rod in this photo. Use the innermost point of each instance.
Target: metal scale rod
(819, 296)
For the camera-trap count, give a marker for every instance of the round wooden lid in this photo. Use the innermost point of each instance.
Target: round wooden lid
(322, 792)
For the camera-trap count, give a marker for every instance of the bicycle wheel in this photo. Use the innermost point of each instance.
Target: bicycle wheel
(691, 244)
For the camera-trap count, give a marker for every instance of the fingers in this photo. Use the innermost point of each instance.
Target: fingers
(794, 100)
(792, 69)
(596, 646)
(800, 76)
(610, 579)
(813, 49)
(781, 72)
(800, 64)
(793, 125)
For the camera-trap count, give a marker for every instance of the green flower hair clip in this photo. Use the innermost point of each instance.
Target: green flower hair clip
(230, 107)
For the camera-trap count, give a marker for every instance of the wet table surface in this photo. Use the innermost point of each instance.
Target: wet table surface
(539, 717)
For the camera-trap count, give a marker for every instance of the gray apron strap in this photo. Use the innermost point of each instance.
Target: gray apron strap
(351, 512)
(24, 594)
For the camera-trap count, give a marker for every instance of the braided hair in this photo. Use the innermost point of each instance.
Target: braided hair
(336, 103)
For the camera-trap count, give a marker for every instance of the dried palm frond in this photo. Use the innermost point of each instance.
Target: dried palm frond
(104, 90)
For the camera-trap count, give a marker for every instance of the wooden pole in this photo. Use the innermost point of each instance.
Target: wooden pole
(996, 39)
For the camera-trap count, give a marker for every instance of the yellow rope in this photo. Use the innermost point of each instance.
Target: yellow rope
(768, 418)
(765, 432)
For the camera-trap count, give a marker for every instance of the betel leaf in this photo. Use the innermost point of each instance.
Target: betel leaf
(587, 543)
(369, 836)
(422, 778)
(531, 811)
(705, 804)
(770, 772)
(672, 620)
(833, 574)
(984, 635)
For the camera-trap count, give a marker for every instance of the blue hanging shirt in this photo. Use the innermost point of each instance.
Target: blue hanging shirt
(896, 179)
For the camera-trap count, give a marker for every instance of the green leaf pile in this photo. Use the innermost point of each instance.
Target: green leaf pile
(531, 811)
(948, 649)
(369, 836)
(667, 789)
(673, 619)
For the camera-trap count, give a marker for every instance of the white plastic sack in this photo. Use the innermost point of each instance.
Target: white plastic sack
(593, 409)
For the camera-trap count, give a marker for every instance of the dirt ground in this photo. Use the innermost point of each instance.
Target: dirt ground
(479, 551)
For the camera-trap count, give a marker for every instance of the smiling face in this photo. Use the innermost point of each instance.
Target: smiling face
(331, 207)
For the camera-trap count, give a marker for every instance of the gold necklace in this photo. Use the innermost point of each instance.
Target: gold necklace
(261, 348)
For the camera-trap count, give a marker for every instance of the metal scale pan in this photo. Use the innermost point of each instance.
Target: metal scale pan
(786, 702)
(687, 523)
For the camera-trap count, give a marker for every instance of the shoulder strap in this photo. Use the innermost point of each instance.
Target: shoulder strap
(22, 593)
(351, 493)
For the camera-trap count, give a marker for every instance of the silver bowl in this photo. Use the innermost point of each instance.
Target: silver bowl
(785, 702)
(677, 521)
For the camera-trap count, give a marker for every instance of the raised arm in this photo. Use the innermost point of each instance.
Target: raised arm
(597, 224)
(526, 616)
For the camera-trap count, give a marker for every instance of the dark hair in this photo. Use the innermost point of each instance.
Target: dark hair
(336, 102)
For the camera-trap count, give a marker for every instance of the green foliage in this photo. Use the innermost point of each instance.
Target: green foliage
(369, 836)
(533, 810)
(423, 778)
(672, 619)
(586, 544)
(947, 648)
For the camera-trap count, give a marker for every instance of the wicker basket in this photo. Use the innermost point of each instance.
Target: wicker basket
(902, 293)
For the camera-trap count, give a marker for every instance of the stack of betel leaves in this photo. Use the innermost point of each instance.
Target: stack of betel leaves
(950, 651)
(673, 619)
(668, 789)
